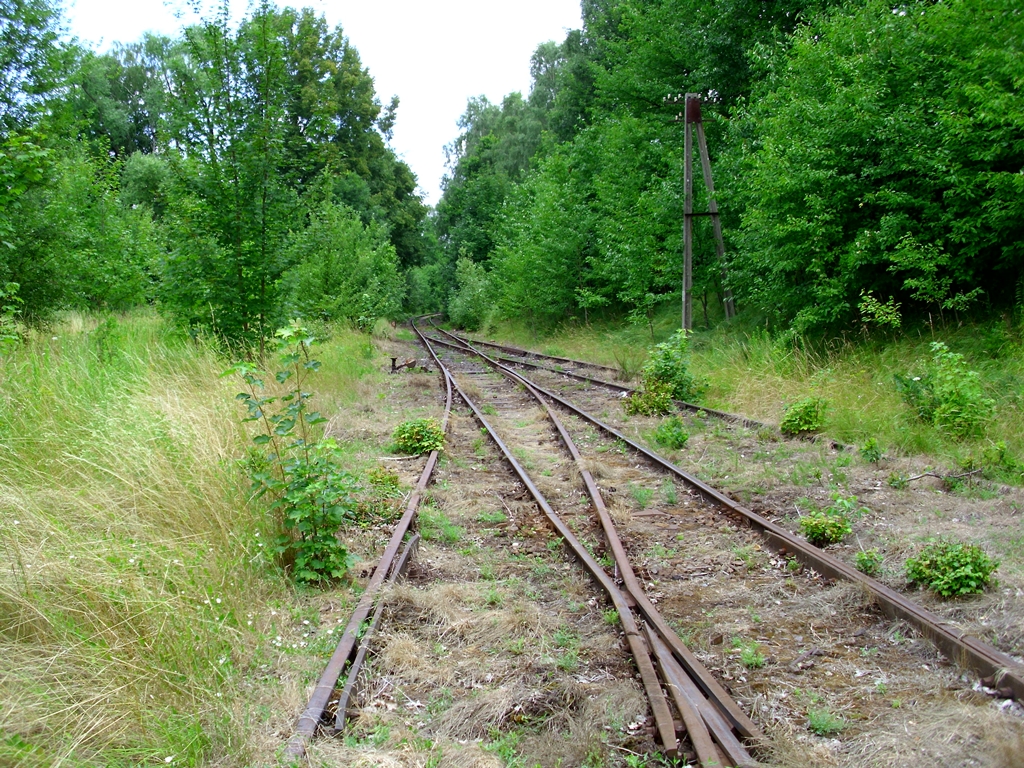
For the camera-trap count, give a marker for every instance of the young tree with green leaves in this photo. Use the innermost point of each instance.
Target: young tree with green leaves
(883, 154)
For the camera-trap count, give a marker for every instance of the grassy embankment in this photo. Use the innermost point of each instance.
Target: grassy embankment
(141, 612)
(750, 373)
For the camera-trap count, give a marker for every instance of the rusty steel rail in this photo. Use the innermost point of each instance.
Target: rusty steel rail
(702, 702)
(709, 714)
(398, 570)
(312, 716)
(682, 404)
(967, 651)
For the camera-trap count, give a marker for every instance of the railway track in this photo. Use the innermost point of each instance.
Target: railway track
(638, 571)
(591, 373)
(711, 720)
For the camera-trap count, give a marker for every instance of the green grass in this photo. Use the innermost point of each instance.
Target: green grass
(822, 722)
(138, 575)
(750, 653)
(434, 525)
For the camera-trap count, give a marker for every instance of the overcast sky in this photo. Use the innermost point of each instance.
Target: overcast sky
(434, 54)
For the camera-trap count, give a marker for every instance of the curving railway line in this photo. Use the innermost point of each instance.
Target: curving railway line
(587, 481)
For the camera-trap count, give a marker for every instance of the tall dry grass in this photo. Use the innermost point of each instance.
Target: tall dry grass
(129, 557)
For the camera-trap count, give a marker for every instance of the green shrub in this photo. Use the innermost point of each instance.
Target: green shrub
(803, 416)
(948, 394)
(870, 451)
(845, 506)
(669, 363)
(824, 527)
(671, 433)
(750, 653)
(472, 301)
(917, 392)
(951, 568)
(897, 481)
(300, 473)
(823, 723)
(419, 436)
(315, 498)
(1000, 464)
(654, 399)
(868, 561)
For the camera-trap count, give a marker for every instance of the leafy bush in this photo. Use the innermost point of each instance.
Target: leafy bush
(654, 399)
(824, 527)
(846, 506)
(315, 497)
(300, 473)
(419, 436)
(948, 394)
(951, 568)
(871, 451)
(668, 363)
(868, 561)
(1000, 463)
(897, 481)
(917, 392)
(671, 433)
(342, 269)
(884, 315)
(472, 302)
(803, 416)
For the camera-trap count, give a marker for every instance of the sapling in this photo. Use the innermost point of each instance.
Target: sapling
(297, 469)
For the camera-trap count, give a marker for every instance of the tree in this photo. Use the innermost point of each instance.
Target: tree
(231, 206)
(342, 270)
(31, 62)
(607, 213)
(471, 302)
(488, 158)
(275, 126)
(540, 263)
(118, 99)
(881, 156)
(334, 123)
(67, 240)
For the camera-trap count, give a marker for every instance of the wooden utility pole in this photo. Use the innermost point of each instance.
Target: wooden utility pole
(691, 119)
(691, 98)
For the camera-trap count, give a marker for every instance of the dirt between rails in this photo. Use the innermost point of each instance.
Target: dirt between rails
(499, 650)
